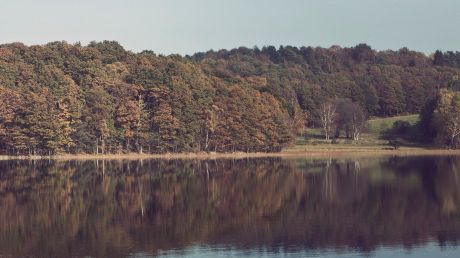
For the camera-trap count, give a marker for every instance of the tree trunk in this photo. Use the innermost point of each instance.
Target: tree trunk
(97, 145)
(103, 145)
(206, 141)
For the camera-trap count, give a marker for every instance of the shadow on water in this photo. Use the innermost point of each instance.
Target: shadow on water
(117, 208)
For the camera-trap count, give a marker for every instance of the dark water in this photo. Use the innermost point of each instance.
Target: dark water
(383, 207)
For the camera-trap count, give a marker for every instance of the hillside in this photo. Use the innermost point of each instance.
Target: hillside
(100, 98)
(377, 126)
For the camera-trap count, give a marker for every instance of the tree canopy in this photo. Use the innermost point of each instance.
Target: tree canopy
(101, 98)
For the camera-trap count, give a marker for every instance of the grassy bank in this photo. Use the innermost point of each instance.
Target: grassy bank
(310, 144)
(294, 152)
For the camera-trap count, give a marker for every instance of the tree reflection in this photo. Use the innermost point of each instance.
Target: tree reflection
(114, 208)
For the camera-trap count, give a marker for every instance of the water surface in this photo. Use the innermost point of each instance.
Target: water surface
(268, 207)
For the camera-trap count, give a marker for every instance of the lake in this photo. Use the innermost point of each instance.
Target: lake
(379, 206)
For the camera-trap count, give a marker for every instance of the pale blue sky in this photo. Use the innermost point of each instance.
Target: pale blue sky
(188, 26)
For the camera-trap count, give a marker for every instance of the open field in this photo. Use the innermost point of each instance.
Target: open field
(378, 125)
(371, 138)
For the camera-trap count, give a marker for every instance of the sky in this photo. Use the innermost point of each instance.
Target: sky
(189, 26)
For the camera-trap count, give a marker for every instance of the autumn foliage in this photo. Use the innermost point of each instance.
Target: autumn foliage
(100, 98)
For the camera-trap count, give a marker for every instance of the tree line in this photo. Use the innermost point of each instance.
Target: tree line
(100, 98)
(440, 119)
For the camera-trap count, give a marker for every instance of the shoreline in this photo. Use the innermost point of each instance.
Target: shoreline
(288, 153)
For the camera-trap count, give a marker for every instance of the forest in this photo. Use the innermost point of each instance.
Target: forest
(100, 98)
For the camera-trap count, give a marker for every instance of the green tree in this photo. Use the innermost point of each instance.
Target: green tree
(446, 118)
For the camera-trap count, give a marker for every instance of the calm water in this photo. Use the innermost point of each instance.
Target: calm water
(382, 207)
